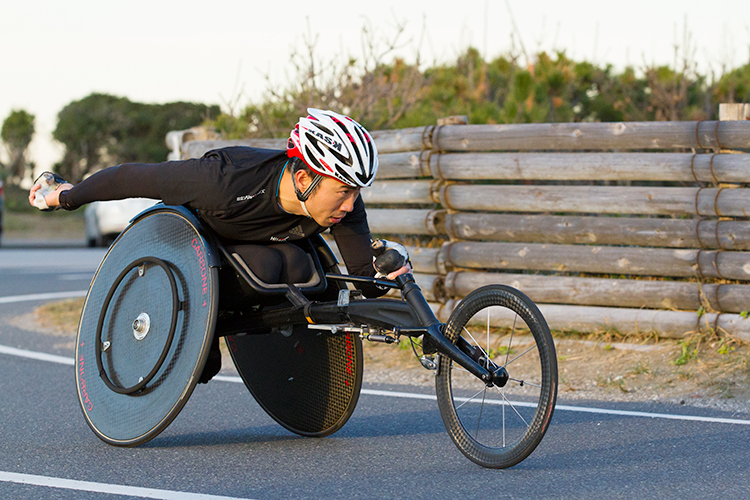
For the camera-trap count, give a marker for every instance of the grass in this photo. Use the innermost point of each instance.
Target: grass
(617, 382)
(62, 315)
(642, 368)
(17, 200)
(54, 225)
(687, 352)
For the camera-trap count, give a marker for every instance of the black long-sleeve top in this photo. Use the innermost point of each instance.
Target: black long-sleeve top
(235, 191)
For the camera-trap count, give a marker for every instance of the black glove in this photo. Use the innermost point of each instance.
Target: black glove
(388, 256)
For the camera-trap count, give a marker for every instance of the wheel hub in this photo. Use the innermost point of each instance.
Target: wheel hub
(500, 377)
(141, 326)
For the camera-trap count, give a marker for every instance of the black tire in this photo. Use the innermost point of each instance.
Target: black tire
(498, 427)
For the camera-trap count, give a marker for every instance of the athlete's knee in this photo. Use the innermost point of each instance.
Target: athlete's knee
(296, 268)
(265, 262)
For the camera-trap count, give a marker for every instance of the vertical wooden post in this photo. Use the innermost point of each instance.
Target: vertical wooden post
(443, 217)
(734, 112)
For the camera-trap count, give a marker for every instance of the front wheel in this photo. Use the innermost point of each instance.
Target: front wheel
(494, 426)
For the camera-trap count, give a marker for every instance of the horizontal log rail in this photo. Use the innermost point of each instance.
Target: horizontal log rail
(400, 140)
(387, 141)
(681, 263)
(595, 199)
(626, 321)
(564, 229)
(668, 167)
(196, 149)
(406, 221)
(722, 202)
(603, 292)
(570, 229)
(538, 136)
(400, 192)
(591, 136)
(401, 166)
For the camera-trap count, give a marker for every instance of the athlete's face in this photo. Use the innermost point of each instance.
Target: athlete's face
(331, 201)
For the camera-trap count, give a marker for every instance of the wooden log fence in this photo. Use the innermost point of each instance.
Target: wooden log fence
(399, 192)
(681, 263)
(648, 294)
(589, 136)
(717, 202)
(715, 135)
(634, 227)
(406, 221)
(673, 233)
(661, 323)
(636, 231)
(678, 201)
(672, 167)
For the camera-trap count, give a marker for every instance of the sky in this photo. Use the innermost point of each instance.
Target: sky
(227, 51)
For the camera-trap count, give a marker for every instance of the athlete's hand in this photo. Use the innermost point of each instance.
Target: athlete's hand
(53, 198)
(406, 269)
(390, 259)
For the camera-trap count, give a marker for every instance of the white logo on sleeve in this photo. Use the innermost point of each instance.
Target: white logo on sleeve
(250, 196)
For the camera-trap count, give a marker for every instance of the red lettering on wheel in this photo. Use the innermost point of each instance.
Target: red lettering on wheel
(349, 355)
(82, 382)
(202, 266)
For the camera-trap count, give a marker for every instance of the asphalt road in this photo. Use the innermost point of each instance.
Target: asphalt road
(223, 444)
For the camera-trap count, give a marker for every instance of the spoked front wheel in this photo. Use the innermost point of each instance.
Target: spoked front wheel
(495, 426)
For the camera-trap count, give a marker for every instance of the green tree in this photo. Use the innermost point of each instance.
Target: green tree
(17, 132)
(734, 86)
(552, 88)
(101, 130)
(89, 129)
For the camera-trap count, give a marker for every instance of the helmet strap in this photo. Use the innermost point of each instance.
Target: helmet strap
(307, 212)
(303, 196)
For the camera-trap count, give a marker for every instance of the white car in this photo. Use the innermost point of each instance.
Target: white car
(1, 208)
(106, 219)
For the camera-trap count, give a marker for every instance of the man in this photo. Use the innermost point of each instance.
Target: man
(258, 201)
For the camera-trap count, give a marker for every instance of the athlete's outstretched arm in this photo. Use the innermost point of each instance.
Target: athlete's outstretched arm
(168, 181)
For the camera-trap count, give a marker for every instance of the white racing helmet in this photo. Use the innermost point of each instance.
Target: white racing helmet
(335, 146)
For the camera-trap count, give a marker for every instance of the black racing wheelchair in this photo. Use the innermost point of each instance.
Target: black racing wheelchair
(167, 287)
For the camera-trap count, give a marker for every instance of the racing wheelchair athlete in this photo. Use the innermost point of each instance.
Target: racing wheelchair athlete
(235, 251)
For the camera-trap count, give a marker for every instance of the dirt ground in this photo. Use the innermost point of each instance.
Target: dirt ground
(696, 371)
(713, 373)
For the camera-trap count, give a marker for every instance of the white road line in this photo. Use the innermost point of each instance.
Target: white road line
(112, 489)
(581, 409)
(413, 395)
(224, 378)
(37, 355)
(76, 277)
(42, 296)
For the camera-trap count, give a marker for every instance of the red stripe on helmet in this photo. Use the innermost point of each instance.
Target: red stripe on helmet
(325, 165)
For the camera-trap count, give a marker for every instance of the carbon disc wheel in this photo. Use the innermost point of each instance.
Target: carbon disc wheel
(307, 380)
(493, 426)
(146, 328)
